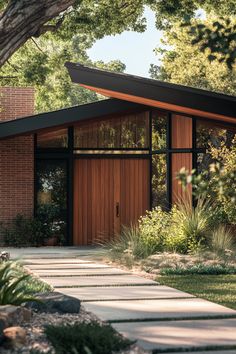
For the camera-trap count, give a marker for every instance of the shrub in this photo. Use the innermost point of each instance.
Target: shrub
(216, 269)
(13, 288)
(23, 231)
(83, 338)
(193, 223)
(222, 241)
(154, 228)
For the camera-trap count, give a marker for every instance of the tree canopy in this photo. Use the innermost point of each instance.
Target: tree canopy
(21, 20)
(186, 64)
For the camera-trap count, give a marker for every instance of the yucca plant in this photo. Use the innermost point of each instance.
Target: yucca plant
(12, 285)
(194, 223)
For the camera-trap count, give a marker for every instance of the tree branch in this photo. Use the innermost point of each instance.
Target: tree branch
(23, 19)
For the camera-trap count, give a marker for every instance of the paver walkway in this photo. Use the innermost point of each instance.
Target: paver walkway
(160, 318)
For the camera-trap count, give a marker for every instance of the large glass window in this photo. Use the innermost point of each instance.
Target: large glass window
(52, 194)
(125, 132)
(159, 181)
(214, 134)
(53, 139)
(159, 130)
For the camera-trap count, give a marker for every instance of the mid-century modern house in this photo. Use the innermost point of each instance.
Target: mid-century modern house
(105, 163)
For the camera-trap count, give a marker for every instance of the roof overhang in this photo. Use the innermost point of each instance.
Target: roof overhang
(65, 117)
(177, 98)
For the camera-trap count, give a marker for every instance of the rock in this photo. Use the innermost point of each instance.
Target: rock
(55, 302)
(11, 315)
(4, 256)
(14, 337)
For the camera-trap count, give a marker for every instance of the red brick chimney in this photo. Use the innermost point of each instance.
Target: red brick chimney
(16, 156)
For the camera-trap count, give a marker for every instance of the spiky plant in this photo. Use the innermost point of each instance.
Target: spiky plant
(222, 241)
(12, 285)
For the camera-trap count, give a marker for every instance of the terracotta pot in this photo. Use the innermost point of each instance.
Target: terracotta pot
(52, 241)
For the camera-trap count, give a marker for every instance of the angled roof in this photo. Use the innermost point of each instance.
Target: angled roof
(64, 117)
(155, 93)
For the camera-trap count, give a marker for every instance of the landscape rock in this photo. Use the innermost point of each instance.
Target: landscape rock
(14, 337)
(11, 315)
(4, 256)
(55, 302)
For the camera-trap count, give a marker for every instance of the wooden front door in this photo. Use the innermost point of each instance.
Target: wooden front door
(108, 193)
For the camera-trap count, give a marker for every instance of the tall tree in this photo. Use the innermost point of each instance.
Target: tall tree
(21, 20)
(186, 64)
(41, 64)
(218, 35)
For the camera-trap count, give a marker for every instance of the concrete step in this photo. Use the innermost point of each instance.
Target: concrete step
(157, 309)
(124, 293)
(188, 335)
(61, 282)
(79, 272)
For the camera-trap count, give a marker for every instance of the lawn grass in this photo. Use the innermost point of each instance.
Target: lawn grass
(220, 289)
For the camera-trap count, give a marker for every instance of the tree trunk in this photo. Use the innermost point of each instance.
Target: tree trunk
(23, 19)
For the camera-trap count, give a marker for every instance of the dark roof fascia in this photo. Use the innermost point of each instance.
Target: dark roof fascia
(179, 95)
(64, 117)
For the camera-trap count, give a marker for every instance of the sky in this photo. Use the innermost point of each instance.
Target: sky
(134, 49)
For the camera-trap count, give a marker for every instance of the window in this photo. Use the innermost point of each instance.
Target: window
(52, 192)
(53, 139)
(127, 132)
(214, 134)
(159, 130)
(159, 181)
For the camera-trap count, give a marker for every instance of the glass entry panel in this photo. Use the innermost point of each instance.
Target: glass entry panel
(52, 195)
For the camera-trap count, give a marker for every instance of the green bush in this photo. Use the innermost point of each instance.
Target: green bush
(183, 229)
(85, 338)
(23, 231)
(13, 289)
(216, 269)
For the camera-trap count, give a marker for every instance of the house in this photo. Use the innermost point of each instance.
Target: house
(103, 164)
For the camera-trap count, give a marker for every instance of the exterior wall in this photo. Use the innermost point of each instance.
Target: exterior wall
(16, 157)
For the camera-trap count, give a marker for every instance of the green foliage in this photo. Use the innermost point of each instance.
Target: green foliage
(23, 231)
(44, 69)
(218, 183)
(220, 38)
(215, 269)
(217, 288)
(222, 241)
(183, 229)
(127, 246)
(177, 52)
(12, 285)
(217, 38)
(33, 231)
(85, 338)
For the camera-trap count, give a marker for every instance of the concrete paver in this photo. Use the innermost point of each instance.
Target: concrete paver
(124, 293)
(57, 261)
(63, 266)
(181, 334)
(157, 309)
(79, 272)
(161, 318)
(59, 282)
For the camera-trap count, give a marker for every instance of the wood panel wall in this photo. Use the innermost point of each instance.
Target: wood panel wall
(180, 160)
(181, 131)
(100, 186)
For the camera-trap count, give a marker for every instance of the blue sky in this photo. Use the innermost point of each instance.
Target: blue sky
(132, 48)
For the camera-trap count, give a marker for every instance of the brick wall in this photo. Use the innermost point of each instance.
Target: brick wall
(16, 156)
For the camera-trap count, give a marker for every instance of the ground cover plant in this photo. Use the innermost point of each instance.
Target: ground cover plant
(16, 286)
(85, 338)
(217, 288)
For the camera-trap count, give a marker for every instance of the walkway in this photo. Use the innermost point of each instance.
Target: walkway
(160, 318)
